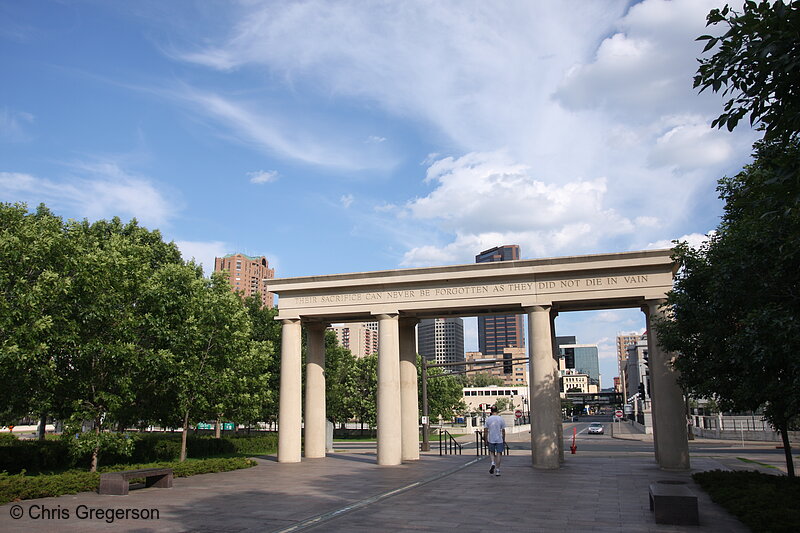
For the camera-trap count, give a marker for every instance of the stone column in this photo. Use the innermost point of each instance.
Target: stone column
(289, 423)
(553, 315)
(651, 385)
(544, 399)
(315, 418)
(409, 398)
(389, 413)
(667, 403)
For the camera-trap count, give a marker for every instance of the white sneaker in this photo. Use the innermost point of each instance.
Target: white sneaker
(496, 471)
(491, 470)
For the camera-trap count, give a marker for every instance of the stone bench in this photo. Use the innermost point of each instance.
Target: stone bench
(673, 503)
(117, 483)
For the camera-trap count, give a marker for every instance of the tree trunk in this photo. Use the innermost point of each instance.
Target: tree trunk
(787, 451)
(42, 424)
(217, 433)
(184, 435)
(96, 450)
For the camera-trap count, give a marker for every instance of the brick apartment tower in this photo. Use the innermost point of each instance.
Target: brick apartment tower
(247, 275)
(360, 338)
(498, 332)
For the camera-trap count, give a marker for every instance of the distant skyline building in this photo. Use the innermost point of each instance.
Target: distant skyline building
(441, 340)
(361, 338)
(623, 343)
(513, 374)
(248, 275)
(497, 332)
(583, 359)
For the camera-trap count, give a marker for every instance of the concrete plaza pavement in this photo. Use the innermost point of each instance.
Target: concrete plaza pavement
(347, 491)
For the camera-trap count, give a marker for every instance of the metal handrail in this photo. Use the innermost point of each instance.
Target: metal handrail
(451, 445)
(481, 447)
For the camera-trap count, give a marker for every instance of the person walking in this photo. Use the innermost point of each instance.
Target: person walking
(494, 433)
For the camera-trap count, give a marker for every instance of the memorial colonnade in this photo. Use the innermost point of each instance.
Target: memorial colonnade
(398, 299)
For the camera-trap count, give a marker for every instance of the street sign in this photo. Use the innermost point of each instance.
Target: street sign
(518, 413)
(618, 413)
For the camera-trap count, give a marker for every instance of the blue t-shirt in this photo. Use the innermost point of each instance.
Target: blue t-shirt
(495, 426)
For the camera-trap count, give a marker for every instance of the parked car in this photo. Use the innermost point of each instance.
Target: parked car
(596, 427)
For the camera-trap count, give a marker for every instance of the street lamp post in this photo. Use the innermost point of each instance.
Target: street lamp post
(426, 446)
(524, 410)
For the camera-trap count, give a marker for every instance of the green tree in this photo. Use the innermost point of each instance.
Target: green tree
(482, 379)
(207, 346)
(264, 367)
(99, 355)
(341, 393)
(736, 300)
(504, 404)
(366, 390)
(445, 393)
(756, 65)
(34, 259)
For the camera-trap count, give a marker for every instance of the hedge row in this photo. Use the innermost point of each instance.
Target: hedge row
(763, 502)
(14, 487)
(53, 455)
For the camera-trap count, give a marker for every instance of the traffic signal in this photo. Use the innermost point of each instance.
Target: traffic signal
(641, 390)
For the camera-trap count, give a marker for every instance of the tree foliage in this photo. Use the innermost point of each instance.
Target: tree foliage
(105, 326)
(33, 262)
(340, 381)
(756, 65)
(445, 393)
(736, 300)
(482, 379)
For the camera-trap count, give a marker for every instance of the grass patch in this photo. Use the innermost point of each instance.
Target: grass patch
(765, 465)
(763, 502)
(15, 487)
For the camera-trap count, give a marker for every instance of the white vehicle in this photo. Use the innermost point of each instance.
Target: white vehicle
(596, 428)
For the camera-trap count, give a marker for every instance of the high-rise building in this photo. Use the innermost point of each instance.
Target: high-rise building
(513, 373)
(247, 275)
(441, 340)
(360, 338)
(498, 332)
(623, 343)
(583, 359)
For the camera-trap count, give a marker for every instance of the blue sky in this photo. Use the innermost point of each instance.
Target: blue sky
(351, 136)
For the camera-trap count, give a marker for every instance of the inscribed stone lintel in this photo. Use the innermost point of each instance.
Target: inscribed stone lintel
(489, 288)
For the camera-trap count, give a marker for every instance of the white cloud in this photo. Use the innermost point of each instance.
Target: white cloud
(375, 139)
(645, 67)
(346, 200)
(203, 252)
(99, 190)
(306, 137)
(13, 125)
(263, 176)
(695, 240)
(484, 199)
(607, 316)
(604, 141)
(691, 145)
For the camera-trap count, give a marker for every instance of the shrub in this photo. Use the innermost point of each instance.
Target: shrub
(34, 456)
(755, 498)
(54, 455)
(23, 487)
